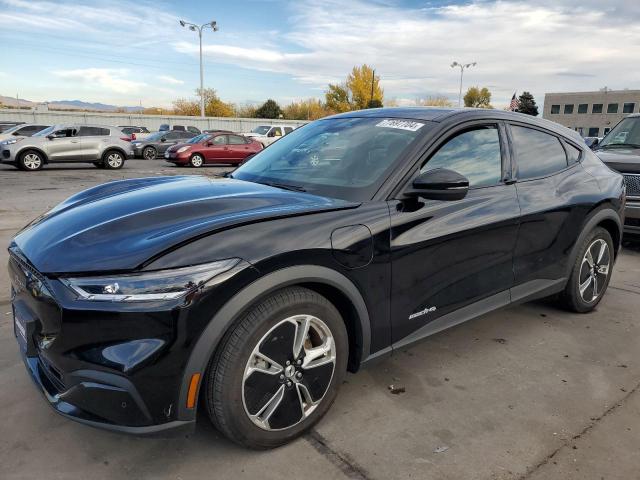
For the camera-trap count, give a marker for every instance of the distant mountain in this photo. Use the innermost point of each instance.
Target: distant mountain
(66, 105)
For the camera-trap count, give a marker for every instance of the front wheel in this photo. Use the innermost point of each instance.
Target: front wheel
(149, 153)
(278, 370)
(196, 160)
(591, 272)
(30, 161)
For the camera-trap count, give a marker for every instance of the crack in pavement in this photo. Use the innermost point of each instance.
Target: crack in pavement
(624, 289)
(346, 465)
(580, 434)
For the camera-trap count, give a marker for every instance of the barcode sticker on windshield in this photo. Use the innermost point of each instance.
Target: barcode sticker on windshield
(401, 124)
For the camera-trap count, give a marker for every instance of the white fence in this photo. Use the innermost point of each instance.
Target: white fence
(152, 122)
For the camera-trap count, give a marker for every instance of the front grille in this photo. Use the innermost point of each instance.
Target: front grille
(632, 222)
(21, 260)
(633, 184)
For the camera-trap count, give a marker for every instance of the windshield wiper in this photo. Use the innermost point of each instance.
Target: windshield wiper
(284, 186)
(632, 145)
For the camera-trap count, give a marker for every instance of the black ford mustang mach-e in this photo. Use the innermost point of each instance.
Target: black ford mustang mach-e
(254, 294)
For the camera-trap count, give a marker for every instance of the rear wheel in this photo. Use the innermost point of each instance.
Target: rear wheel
(278, 370)
(591, 272)
(196, 160)
(112, 160)
(30, 161)
(149, 153)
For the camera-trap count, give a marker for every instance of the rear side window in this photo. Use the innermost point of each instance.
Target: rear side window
(235, 140)
(538, 154)
(474, 153)
(573, 154)
(93, 131)
(288, 130)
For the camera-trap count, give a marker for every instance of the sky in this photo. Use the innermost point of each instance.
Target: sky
(135, 52)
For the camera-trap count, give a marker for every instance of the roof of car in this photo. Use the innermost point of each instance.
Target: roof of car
(437, 114)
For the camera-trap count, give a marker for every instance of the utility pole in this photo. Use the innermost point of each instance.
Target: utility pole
(463, 67)
(373, 81)
(198, 28)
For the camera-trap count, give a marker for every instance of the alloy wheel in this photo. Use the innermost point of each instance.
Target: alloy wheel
(196, 161)
(114, 160)
(594, 270)
(289, 372)
(149, 153)
(32, 161)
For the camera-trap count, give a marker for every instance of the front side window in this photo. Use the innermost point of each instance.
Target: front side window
(220, 140)
(355, 162)
(612, 108)
(583, 108)
(597, 108)
(538, 154)
(568, 109)
(261, 130)
(555, 109)
(474, 153)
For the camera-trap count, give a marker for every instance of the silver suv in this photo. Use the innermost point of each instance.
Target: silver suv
(104, 146)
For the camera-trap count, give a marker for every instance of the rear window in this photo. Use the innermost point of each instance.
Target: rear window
(93, 132)
(538, 154)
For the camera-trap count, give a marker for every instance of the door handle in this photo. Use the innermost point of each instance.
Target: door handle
(75, 141)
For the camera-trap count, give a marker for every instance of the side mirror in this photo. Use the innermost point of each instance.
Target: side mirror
(595, 143)
(163, 139)
(439, 184)
(51, 136)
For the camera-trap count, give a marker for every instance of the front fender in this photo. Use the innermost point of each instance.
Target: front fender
(231, 311)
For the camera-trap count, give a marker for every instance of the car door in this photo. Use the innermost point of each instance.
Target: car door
(92, 140)
(64, 145)
(170, 138)
(238, 148)
(217, 151)
(551, 188)
(448, 255)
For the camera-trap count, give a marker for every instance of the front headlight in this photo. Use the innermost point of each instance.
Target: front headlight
(11, 141)
(148, 286)
(183, 149)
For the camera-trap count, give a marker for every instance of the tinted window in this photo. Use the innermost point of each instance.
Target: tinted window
(174, 135)
(178, 127)
(612, 108)
(30, 130)
(555, 109)
(597, 108)
(573, 154)
(235, 140)
(568, 109)
(220, 140)
(628, 108)
(164, 126)
(93, 132)
(288, 130)
(537, 153)
(583, 108)
(474, 154)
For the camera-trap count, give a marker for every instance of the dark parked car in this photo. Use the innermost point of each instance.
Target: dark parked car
(157, 143)
(620, 150)
(165, 127)
(213, 148)
(7, 125)
(255, 293)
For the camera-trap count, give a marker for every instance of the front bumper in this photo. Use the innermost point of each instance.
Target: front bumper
(6, 155)
(632, 215)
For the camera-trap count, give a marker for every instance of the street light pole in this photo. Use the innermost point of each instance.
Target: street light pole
(462, 69)
(199, 28)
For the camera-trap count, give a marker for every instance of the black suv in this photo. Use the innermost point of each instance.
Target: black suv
(620, 150)
(254, 294)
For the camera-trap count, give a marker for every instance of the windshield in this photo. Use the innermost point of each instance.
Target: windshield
(261, 130)
(345, 158)
(199, 138)
(625, 134)
(45, 132)
(155, 136)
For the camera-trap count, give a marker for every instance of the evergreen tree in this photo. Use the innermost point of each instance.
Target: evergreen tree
(527, 104)
(269, 109)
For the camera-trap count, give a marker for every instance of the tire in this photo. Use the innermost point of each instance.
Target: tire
(112, 160)
(149, 153)
(30, 161)
(582, 294)
(274, 385)
(196, 160)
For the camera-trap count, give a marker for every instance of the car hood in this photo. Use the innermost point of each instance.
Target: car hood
(120, 225)
(624, 160)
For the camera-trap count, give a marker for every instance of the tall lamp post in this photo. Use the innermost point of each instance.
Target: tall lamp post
(463, 67)
(199, 28)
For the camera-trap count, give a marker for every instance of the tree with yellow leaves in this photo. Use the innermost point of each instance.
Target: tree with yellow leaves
(360, 90)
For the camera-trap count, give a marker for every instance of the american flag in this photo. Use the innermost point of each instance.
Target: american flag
(513, 106)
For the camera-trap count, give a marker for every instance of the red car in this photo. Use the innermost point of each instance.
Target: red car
(218, 147)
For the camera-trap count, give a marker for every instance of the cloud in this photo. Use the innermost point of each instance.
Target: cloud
(113, 80)
(519, 45)
(170, 79)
